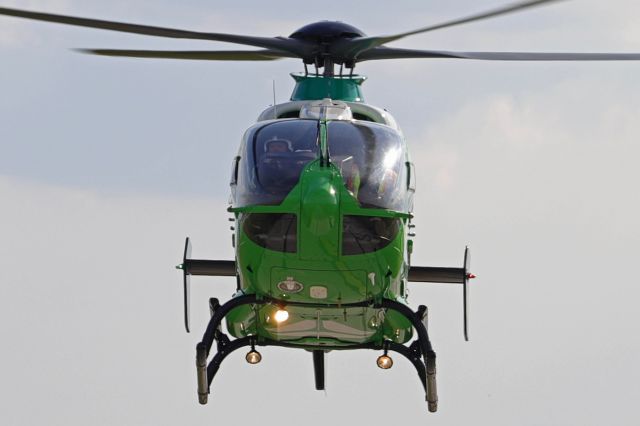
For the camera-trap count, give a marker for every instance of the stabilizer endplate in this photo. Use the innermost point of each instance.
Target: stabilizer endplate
(202, 267)
(443, 275)
(465, 291)
(187, 285)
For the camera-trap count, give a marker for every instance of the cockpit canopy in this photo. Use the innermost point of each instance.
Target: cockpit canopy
(372, 161)
(370, 157)
(271, 159)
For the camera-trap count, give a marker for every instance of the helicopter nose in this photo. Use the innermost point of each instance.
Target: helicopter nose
(319, 217)
(319, 206)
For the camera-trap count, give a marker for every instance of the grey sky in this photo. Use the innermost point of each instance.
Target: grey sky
(106, 164)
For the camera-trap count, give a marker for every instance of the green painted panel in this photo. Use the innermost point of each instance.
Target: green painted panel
(312, 87)
(333, 286)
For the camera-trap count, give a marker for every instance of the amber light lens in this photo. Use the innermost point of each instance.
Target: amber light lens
(253, 357)
(385, 362)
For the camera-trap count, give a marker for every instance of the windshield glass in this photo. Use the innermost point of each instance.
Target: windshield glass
(272, 158)
(371, 159)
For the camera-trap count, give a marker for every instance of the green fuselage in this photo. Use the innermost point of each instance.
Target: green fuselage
(318, 252)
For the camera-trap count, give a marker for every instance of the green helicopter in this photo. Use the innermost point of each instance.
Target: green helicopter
(322, 195)
(322, 201)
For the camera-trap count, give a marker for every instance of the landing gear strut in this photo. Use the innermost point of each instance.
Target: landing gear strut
(318, 368)
(416, 352)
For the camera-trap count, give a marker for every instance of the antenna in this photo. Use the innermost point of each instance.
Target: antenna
(275, 108)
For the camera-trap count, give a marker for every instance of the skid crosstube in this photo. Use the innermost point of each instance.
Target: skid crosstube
(420, 352)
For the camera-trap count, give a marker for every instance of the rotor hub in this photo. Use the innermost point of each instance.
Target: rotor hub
(326, 31)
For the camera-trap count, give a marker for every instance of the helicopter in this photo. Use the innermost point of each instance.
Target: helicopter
(322, 192)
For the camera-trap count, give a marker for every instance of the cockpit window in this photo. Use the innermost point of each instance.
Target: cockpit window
(273, 157)
(371, 159)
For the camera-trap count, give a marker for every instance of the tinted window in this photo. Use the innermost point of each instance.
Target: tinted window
(366, 234)
(234, 171)
(273, 157)
(371, 159)
(273, 231)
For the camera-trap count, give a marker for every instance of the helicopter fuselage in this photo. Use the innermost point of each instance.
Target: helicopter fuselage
(322, 205)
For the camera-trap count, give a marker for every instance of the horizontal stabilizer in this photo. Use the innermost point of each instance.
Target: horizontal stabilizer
(218, 268)
(429, 274)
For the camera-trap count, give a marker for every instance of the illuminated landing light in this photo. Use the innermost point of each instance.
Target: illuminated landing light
(281, 315)
(253, 357)
(385, 362)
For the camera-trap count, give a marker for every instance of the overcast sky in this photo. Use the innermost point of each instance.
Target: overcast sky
(107, 164)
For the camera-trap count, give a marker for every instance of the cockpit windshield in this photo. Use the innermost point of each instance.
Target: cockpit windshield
(371, 159)
(272, 160)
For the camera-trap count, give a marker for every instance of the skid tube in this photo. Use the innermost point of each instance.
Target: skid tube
(415, 352)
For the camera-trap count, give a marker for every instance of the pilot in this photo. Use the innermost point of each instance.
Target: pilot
(387, 183)
(275, 165)
(351, 176)
(277, 146)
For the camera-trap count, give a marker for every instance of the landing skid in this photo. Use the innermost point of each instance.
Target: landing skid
(419, 352)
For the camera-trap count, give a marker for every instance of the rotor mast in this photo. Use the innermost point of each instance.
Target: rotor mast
(328, 67)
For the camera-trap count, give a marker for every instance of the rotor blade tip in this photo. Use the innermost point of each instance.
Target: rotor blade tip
(81, 50)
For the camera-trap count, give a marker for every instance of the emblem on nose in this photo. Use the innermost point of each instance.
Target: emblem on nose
(290, 285)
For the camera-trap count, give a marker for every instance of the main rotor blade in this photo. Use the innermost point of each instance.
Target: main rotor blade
(213, 55)
(473, 18)
(352, 48)
(393, 53)
(296, 47)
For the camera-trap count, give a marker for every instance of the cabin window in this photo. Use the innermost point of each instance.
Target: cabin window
(411, 178)
(371, 158)
(366, 234)
(362, 117)
(234, 171)
(273, 157)
(273, 231)
(290, 114)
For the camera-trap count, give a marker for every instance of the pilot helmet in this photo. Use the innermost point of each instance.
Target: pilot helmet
(277, 145)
